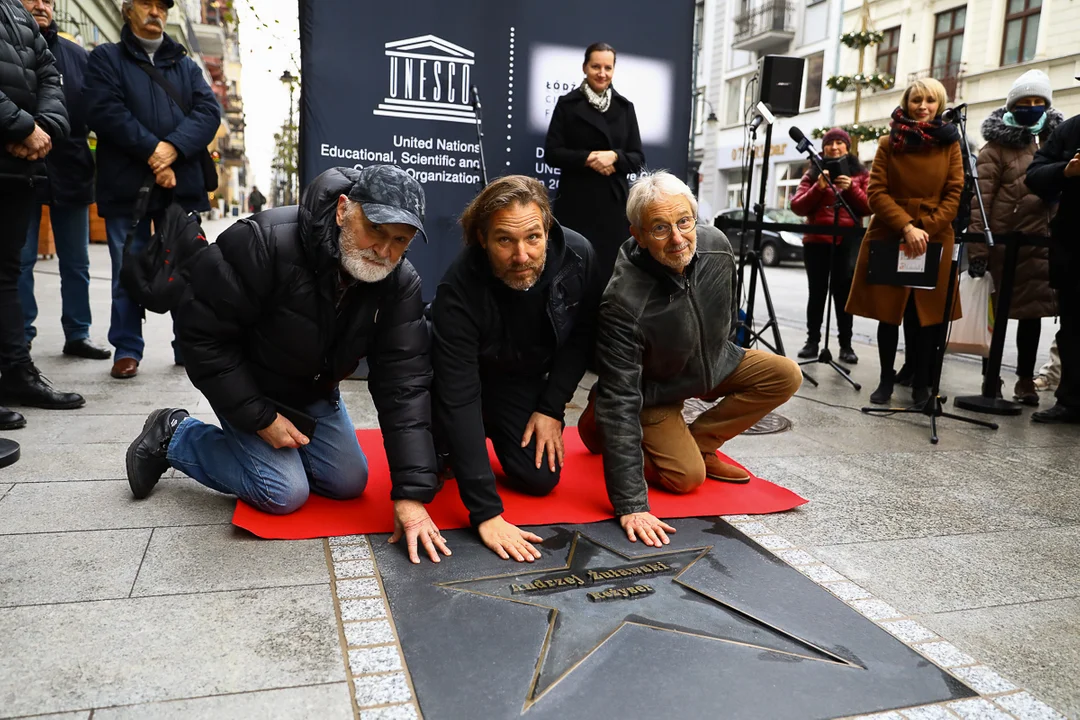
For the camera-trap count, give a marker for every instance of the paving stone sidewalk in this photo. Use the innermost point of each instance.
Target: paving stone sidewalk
(111, 608)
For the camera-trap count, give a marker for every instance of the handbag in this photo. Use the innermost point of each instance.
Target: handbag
(151, 275)
(206, 163)
(973, 332)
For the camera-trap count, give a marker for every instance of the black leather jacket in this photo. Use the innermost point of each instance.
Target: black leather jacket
(662, 338)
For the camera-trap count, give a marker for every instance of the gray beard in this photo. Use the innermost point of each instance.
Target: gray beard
(364, 265)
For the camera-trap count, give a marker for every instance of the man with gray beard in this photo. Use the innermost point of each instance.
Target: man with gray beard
(514, 318)
(280, 310)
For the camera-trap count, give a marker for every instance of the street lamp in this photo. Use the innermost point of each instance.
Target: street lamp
(287, 78)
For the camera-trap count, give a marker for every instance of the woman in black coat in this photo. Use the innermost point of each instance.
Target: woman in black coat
(593, 138)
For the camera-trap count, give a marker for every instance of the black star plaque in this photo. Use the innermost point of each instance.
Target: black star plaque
(600, 590)
(711, 626)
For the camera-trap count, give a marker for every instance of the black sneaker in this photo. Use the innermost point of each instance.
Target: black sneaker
(146, 456)
(847, 355)
(809, 350)
(25, 385)
(1057, 415)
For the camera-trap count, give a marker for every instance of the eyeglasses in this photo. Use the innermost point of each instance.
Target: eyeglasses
(663, 230)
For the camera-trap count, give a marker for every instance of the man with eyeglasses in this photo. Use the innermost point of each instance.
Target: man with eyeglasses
(666, 334)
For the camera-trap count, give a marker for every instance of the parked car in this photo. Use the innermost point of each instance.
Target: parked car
(776, 247)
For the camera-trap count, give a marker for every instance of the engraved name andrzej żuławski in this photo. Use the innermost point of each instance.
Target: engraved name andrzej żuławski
(652, 593)
(429, 79)
(566, 582)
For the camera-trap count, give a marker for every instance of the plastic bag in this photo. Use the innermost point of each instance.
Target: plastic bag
(972, 333)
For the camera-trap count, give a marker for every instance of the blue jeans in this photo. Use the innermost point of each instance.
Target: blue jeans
(274, 481)
(125, 328)
(71, 230)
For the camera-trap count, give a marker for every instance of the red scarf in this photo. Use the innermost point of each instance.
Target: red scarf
(907, 135)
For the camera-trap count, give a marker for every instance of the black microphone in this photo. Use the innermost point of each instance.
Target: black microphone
(954, 113)
(756, 122)
(475, 97)
(803, 144)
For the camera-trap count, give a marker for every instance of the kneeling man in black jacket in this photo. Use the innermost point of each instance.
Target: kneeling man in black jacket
(666, 334)
(280, 310)
(514, 318)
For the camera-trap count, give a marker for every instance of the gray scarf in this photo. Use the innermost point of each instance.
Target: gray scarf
(600, 102)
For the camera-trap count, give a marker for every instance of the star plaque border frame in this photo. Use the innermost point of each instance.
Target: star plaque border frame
(533, 697)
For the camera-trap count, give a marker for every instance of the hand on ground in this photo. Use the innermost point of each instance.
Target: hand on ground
(651, 529)
(509, 541)
(412, 521)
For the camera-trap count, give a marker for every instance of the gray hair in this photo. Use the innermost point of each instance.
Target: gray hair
(650, 188)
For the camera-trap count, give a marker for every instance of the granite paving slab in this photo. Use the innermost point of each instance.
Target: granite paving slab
(315, 702)
(59, 658)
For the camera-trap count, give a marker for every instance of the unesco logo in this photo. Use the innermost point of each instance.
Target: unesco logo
(430, 79)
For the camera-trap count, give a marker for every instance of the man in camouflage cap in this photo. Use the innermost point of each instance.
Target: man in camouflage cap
(281, 309)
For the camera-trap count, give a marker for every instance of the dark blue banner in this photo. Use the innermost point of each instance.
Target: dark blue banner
(392, 83)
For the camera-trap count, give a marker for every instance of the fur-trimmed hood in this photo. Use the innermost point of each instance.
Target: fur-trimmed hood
(994, 129)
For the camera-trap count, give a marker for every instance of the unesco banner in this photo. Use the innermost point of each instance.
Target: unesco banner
(393, 83)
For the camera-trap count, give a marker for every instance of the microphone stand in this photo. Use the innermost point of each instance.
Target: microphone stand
(478, 110)
(825, 356)
(934, 406)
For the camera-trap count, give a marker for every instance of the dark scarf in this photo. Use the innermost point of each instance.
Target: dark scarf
(907, 135)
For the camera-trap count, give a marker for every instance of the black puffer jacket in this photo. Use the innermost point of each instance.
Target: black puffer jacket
(267, 318)
(662, 338)
(1046, 178)
(30, 90)
(475, 348)
(70, 164)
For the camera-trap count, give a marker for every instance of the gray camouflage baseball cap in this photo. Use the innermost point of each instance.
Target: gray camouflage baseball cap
(388, 194)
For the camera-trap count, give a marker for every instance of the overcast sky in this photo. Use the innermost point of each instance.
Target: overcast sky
(266, 53)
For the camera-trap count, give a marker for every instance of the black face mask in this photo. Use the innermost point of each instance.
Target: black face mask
(1028, 116)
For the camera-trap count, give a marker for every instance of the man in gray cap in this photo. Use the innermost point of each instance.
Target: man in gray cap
(281, 309)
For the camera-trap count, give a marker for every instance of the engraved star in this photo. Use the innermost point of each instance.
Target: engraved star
(600, 590)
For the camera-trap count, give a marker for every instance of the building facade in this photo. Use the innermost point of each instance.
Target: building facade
(977, 50)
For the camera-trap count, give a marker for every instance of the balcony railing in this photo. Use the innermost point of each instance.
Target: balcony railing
(951, 75)
(765, 26)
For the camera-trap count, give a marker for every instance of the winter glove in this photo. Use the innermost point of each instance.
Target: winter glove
(977, 267)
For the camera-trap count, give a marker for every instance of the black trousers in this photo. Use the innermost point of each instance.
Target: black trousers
(1028, 332)
(507, 407)
(1068, 341)
(920, 344)
(820, 269)
(17, 202)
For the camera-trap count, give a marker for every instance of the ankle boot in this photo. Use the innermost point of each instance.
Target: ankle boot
(884, 388)
(25, 385)
(11, 420)
(919, 394)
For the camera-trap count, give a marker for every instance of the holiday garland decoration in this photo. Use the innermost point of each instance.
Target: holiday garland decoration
(859, 39)
(879, 81)
(861, 132)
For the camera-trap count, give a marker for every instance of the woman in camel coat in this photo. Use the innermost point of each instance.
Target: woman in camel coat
(914, 192)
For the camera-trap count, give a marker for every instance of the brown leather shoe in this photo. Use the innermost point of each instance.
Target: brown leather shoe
(717, 469)
(1025, 392)
(125, 368)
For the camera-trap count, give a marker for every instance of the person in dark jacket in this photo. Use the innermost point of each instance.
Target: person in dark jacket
(1013, 134)
(32, 119)
(667, 334)
(594, 139)
(256, 200)
(514, 320)
(827, 260)
(144, 137)
(70, 168)
(1054, 175)
(281, 309)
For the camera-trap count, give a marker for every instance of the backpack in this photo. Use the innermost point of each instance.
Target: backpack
(151, 274)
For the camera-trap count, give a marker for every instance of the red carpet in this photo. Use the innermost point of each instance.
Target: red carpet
(579, 498)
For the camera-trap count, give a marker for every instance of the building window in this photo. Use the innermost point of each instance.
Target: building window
(1021, 30)
(815, 66)
(732, 108)
(700, 111)
(948, 44)
(787, 182)
(888, 51)
(749, 94)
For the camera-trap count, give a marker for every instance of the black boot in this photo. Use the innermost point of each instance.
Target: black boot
(810, 350)
(847, 355)
(905, 376)
(25, 385)
(146, 456)
(884, 388)
(919, 395)
(11, 420)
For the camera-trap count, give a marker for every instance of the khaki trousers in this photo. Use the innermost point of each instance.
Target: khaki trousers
(674, 451)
